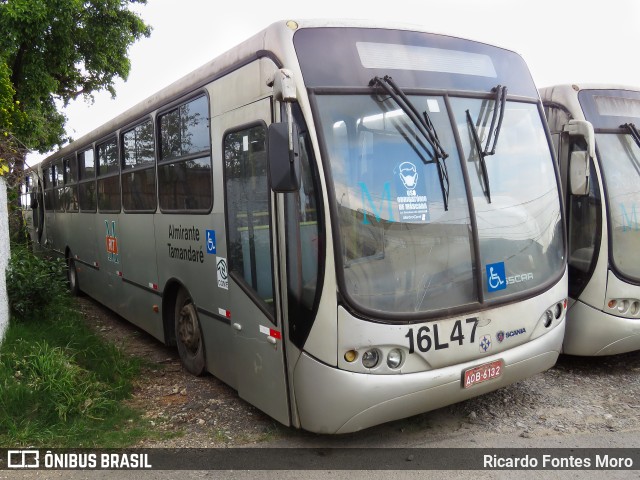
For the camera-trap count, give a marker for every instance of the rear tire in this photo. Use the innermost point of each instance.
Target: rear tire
(189, 334)
(72, 276)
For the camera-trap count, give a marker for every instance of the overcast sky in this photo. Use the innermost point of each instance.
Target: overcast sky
(562, 41)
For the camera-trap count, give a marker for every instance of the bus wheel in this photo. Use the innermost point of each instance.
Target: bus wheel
(72, 276)
(188, 334)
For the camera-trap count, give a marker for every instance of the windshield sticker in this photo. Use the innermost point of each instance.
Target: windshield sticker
(413, 206)
(432, 105)
(629, 221)
(496, 277)
(523, 277)
(377, 212)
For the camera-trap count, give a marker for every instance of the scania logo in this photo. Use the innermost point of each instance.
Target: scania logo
(501, 336)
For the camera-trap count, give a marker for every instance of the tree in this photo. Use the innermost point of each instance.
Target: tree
(59, 50)
(52, 52)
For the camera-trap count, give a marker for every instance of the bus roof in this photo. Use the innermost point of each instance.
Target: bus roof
(269, 42)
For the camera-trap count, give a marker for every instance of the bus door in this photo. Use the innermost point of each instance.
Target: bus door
(247, 266)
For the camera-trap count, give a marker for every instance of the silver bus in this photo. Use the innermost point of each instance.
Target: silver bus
(348, 223)
(595, 131)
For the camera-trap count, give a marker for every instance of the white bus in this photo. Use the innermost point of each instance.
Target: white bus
(348, 223)
(595, 131)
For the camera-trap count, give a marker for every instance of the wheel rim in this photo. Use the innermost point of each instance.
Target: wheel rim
(188, 329)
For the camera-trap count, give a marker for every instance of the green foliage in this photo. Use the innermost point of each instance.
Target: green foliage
(58, 50)
(34, 283)
(61, 385)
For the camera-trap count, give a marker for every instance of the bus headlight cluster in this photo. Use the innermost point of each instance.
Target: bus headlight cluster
(625, 306)
(373, 357)
(552, 313)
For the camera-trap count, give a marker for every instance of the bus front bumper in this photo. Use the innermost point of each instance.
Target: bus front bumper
(330, 400)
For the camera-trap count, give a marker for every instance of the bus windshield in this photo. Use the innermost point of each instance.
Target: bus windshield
(620, 160)
(409, 246)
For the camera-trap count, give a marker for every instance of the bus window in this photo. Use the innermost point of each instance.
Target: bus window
(71, 181)
(249, 231)
(49, 203)
(305, 240)
(138, 169)
(87, 186)
(108, 179)
(585, 225)
(184, 170)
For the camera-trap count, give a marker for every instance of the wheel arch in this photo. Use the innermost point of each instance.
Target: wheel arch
(171, 289)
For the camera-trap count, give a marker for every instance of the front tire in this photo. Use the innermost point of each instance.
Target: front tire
(189, 334)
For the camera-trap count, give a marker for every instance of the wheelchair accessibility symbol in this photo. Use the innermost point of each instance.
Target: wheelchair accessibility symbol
(211, 242)
(496, 278)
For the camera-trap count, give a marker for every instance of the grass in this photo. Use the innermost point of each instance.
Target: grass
(60, 384)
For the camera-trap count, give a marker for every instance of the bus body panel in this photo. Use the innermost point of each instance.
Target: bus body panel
(256, 338)
(325, 395)
(592, 332)
(110, 291)
(450, 341)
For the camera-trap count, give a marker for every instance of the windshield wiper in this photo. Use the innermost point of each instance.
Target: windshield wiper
(500, 101)
(633, 131)
(481, 155)
(425, 126)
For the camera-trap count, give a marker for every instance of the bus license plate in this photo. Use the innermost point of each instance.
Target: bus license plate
(482, 373)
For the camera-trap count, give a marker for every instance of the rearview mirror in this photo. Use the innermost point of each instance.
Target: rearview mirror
(584, 129)
(284, 157)
(579, 173)
(579, 160)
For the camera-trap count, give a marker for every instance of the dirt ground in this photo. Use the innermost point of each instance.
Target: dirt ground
(578, 395)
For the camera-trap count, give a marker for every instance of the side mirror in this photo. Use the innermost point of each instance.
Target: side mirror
(579, 161)
(584, 129)
(284, 157)
(579, 173)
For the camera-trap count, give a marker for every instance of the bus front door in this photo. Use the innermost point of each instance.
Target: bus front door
(249, 270)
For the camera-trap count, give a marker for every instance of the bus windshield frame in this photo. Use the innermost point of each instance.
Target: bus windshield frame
(619, 157)
(405, 251)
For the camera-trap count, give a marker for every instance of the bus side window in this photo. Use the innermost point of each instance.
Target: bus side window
(86, 178)
(248, 215)
(585, 226)
(305, 244)
(184, 164)
(138, 169)
(108, 176)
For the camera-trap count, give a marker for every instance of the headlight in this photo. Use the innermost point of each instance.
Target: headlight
(394, 358)
(370, 358)
(622, 306)
(558, 310)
